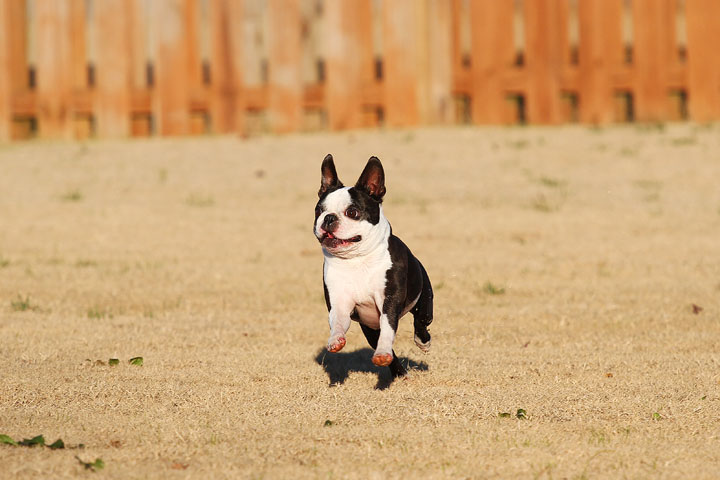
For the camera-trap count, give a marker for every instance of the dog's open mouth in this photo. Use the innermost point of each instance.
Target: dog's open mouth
(331, 241)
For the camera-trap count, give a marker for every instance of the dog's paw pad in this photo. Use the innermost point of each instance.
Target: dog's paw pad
(337, 345)
(382, 359)
(425, 347)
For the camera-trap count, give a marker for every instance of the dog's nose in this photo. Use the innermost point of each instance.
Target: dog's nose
(330, 222)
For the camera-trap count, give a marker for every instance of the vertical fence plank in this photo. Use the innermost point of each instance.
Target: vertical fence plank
(348, 58)
(651, 58)
(54, 68)
(113, 45)
(171, 92)
(492, 54)
(600, 54)
(703, 32)
(78, 45)
(140, 49)
(544, 30)
(285, 82)
(457, 43)
(436, 30)
(400, 79)
(226, 102)
(5, 114)
(15, 30)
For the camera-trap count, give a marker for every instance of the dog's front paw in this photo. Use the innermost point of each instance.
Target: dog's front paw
(382, 359)
(335, 344)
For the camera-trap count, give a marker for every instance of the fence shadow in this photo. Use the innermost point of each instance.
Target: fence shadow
(338, 366)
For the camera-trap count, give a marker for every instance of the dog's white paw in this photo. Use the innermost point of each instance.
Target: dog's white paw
(425, 347)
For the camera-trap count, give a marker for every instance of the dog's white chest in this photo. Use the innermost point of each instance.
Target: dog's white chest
(359, 283)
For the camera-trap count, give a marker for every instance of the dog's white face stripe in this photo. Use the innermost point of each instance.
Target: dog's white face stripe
(337, 201)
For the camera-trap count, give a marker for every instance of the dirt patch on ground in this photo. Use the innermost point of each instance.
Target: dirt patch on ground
(577, 278)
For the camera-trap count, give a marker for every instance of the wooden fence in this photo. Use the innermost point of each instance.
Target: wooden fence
(114, 68)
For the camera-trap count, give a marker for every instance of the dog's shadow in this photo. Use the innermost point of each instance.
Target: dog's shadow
(338, 366)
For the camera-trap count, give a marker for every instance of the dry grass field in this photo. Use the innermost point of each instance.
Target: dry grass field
(566, 263)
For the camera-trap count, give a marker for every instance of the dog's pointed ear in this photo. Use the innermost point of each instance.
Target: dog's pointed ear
(372, 179)
(329, 178)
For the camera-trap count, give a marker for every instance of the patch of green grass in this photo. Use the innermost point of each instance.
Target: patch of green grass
(4, 262)
(518, 144)
(74, 195)
(628, 151)
(520, 413)
(98, 313)
(683, 141)
(650, 127)
(651, 189)
(492, 289)
(23, 304)
(648, 184)
(85, 263)
(37, 441)
(598, 437)
(541, 203)
(552, 182)
(197, 200)
(652, 197)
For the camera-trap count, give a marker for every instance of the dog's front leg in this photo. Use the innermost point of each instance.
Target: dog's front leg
(339, 319)
(388, 326)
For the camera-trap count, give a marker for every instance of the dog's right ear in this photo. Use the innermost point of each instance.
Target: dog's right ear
(329, 178)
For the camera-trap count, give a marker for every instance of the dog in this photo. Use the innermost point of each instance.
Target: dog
(369, 275)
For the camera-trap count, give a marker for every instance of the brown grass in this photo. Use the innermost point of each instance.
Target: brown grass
(197, 254)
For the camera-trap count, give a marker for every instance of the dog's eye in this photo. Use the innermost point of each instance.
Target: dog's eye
(351, 212)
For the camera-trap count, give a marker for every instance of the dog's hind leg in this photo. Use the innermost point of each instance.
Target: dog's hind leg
(423, 313)
(372, 337)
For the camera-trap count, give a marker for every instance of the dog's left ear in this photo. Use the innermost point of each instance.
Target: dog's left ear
(329, 178)
(372, 179)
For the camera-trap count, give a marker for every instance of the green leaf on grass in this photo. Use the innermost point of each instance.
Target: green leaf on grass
(30, 442)
(504, 415)
(98, 464)
(114, 361)
(656, 416)
(521, 413)
(7, 440)
(136, 361)
(57, 444)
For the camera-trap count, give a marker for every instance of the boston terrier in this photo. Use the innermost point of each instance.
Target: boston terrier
(369, 275)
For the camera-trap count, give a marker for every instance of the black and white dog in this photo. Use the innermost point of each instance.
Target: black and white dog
(369, 275)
